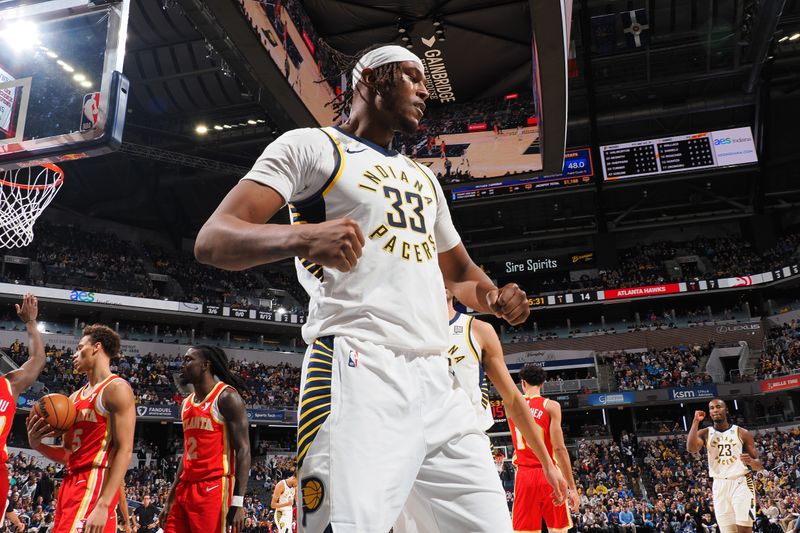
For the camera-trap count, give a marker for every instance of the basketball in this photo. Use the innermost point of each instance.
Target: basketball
(57, 410)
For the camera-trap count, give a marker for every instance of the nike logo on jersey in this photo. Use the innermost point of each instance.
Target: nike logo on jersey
(80, 481)
(351, 151)
(209, 489)
(205, 406)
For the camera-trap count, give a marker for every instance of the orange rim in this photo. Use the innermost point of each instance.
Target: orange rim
(49, 166)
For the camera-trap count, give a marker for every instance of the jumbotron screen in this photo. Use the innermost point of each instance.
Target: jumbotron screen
(577, 170)
(684, 153)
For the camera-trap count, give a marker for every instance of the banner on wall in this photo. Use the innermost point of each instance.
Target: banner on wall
(611, 398)
(692, 393)
(781, 383)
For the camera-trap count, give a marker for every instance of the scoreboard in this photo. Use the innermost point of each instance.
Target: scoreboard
(683, 153)
(577, 171)
(664, 289)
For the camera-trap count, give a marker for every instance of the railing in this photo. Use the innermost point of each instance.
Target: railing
(569, 385)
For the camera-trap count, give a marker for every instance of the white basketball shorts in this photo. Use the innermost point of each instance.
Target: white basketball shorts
(283, 520)
(380, 430)
(735, 501)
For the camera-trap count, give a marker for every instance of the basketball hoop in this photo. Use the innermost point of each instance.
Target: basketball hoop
(24, 193)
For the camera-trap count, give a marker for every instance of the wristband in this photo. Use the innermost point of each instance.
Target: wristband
(237, 501)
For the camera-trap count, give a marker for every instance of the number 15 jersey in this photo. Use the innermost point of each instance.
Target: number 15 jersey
(395, 294)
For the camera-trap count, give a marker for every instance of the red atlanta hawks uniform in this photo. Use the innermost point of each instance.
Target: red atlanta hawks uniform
(7, 409)
(87, 465)
(532, 501)
(203, 494)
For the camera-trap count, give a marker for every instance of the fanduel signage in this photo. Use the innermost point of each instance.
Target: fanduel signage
(692, 393)
(157, 411)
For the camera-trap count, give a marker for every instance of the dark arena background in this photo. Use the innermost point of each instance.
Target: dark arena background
(637, 174)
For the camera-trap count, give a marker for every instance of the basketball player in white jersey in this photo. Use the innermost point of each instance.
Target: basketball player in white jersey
(283, 498)
(732, 458)
(476, 353)
(372, 237)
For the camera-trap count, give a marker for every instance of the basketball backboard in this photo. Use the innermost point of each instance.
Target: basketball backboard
(62, 92)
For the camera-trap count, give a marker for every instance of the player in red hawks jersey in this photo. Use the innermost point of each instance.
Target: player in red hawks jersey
(532, 502)
(97, 448)
(216, 449)
(16, 382)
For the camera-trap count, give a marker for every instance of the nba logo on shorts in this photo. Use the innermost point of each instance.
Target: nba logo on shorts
(91, 111)
(353, 360)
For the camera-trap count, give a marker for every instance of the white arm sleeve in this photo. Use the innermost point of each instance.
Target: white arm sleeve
(296, 165)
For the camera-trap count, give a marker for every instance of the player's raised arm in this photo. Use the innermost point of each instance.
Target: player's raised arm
(23, 377)
(118, 400)
(472, 287)
(750, 455)
(516, 408)
(233, 409)
(697, 437)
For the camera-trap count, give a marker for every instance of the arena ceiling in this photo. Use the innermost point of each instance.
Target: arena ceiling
(704, 69)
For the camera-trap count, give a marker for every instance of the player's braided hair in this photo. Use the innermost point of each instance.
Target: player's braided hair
(220, 366)
(385, 76)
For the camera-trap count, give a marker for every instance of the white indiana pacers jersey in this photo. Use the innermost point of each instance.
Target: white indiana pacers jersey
(467, 368)
(395, 294)
(724, 449)
(286, 498)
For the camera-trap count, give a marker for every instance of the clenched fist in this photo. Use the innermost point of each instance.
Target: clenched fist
(509, 303)
(334, 244)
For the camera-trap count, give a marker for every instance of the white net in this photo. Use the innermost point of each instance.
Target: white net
(24, 193)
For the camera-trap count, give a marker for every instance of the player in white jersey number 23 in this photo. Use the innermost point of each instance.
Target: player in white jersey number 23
(732, 459)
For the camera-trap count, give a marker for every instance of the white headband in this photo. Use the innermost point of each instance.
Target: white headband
(382, 56)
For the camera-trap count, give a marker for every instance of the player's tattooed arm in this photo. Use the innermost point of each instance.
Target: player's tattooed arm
(232, 408)
(750, 454)
(697, 437)
(23, 377)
